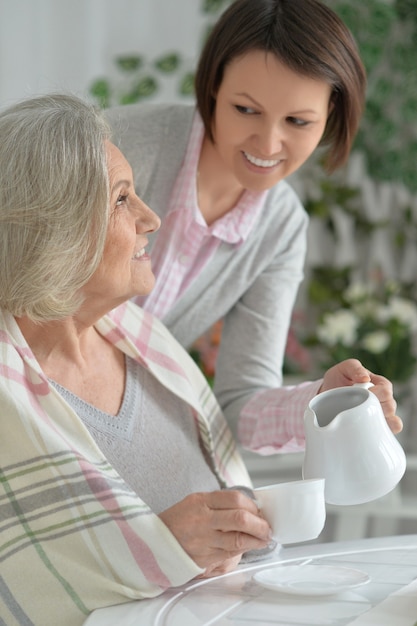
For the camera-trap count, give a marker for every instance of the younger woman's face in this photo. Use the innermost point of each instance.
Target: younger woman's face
(268, 119)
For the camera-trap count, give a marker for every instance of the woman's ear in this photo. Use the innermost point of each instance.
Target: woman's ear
(331, 105)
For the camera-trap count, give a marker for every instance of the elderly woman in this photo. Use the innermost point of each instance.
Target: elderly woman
(99, 404)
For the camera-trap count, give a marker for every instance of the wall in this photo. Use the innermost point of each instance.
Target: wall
(51, 45)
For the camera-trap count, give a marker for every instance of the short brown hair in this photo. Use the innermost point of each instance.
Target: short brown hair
(307, 37)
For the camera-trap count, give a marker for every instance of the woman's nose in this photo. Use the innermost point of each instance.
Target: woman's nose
(271, 139)
(147, 220)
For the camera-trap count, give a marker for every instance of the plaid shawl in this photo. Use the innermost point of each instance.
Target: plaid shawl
(73, 536)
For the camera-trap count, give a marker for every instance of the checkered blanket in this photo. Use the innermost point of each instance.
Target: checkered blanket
(73, 535)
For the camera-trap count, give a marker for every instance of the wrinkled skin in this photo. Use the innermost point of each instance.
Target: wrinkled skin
(216, 528)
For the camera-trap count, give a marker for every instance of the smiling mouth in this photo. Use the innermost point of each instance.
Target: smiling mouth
(261, 162)
(137, 255)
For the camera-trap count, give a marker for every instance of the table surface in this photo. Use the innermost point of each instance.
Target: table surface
(236, 599)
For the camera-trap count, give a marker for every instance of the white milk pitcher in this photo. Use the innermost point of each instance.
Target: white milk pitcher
(350, 445)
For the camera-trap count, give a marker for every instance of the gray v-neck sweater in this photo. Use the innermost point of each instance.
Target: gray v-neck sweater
(152, 442)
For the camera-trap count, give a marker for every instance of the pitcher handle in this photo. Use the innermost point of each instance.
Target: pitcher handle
(363, 385)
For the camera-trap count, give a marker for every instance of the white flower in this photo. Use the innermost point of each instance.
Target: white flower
(338, 327)
(357, 291)
(402, 310)
(392, 286)
(376, 342)
(370, 308)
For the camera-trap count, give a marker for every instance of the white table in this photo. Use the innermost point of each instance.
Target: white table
(235, 599)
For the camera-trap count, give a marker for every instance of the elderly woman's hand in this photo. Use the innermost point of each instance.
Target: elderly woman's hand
(216, 528)
(352, 371)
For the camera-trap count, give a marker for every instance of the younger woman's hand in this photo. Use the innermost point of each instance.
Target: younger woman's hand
(352, 371)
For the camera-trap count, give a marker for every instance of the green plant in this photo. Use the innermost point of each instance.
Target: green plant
(386, 33)
(140, 79)
(373, 322)
(332, 194)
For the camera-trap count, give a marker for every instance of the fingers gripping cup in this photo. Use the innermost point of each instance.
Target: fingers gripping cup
(295, 510)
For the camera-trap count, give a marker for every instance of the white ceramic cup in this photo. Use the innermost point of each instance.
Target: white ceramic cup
(295, 510)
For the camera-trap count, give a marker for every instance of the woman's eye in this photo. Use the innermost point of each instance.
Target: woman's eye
(121, 200)
(244, 110)
(296, 121)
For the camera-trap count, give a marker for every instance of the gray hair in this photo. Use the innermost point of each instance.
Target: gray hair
(54, 204)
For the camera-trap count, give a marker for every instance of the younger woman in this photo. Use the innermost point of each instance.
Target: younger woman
(276, 79)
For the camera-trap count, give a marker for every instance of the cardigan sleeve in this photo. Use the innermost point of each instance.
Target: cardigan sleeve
(255, 329)
(272, 421)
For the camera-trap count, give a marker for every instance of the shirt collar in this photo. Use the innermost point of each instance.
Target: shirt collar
(236, 225)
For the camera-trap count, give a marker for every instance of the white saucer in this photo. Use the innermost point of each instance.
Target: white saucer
(311, 580)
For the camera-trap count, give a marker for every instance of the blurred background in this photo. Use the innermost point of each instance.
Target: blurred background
(66, 44)
(359, 297)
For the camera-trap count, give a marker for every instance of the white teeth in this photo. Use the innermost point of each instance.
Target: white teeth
(137, 255)
(261, 162)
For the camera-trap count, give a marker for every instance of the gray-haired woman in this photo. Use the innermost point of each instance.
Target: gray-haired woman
(114, 454)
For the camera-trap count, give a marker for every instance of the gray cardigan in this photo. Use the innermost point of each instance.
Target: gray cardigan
(252, 286)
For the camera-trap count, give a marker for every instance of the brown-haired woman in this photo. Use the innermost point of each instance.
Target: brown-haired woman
(276, 79)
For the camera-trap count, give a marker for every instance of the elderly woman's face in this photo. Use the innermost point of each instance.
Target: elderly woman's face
(125, 269)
